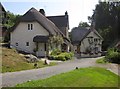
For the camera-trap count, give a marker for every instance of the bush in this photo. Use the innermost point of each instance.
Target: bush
(113, 56)
(71, 54)
(66, 55)
(62, 56)
(55, 52)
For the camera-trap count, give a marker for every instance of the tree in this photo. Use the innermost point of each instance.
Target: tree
(11, 20)
(57, 40)
(83, 24)
(106, 17)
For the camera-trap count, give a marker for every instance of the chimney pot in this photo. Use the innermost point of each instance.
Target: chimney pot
(66, 13)
(42, 11)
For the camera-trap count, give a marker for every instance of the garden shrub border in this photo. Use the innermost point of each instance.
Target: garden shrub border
(113, 55)
(56, 54)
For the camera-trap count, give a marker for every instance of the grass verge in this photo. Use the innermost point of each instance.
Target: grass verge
(12, 61)
(101, 61)
(83, 77)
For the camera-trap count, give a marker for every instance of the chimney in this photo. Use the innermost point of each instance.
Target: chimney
(42, 11)
(66, 13)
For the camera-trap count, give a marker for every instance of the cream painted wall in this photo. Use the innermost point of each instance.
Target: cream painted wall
(85, 43)
(21, 35)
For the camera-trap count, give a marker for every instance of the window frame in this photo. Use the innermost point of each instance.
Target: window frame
(30, 26)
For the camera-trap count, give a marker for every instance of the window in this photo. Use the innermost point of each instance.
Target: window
(27, 43)
(16, 44)
(90, 40)
(95, 40)
(30, 26)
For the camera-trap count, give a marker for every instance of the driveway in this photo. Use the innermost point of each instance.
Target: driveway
(13, 78)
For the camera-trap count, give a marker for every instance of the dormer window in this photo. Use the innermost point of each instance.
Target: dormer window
(30, 26)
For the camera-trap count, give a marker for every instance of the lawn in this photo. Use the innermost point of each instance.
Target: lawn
(12, 61)
(83, 77)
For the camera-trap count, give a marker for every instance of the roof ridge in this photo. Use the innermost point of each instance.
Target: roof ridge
(56, 16)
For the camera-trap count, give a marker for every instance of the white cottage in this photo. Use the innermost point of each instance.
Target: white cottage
(86, 41)
(32, 31)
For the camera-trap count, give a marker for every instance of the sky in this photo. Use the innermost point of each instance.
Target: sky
(78, 10)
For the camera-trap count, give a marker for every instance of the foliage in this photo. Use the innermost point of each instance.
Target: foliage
(57, 40)
(106, 17)
(67, 56)
(11, 19)
(83, 24)
(106, 34)
(83, 77)
(60, 57)
(7, 36)
(113, 55)
(56, 54)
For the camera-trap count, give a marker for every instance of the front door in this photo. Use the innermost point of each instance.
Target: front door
(41, 50)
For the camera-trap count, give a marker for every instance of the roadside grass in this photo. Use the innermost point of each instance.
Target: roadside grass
(83, 77)
(12, 61)
(102, 61)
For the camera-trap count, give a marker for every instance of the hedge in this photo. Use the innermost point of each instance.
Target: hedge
(62, 56)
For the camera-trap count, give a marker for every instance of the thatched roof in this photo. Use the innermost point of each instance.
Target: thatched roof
(79, 33)
(34, 15)
(59, 21)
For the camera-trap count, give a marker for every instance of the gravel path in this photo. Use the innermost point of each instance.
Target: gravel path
(13, 78)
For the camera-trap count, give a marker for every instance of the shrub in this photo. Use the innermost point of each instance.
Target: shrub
(55, 52)
(62, 56)
(113, 56)
(71, 54)
(66, 55)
